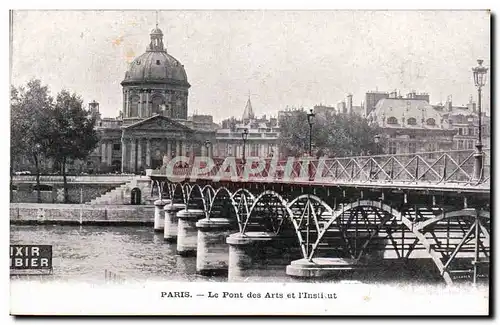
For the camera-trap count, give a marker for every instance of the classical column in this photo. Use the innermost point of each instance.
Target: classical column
(183, 148)
(204, 150)
(132, 155)
(124, 154)
(103, 151)
(139, 154)
(148, 104)
(128, 103)
(110, 153)
(210, 150)
(191, 153)
(169, 149)
(177, 148)
(148, 153)
(124, 102)
(141, 102)
(235, 148)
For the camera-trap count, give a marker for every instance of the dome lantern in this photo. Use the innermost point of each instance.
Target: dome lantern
(156, 43)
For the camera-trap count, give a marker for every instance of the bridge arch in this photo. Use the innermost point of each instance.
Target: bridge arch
(177, 193)
(195, 198)
(391, 213)
(223, 205)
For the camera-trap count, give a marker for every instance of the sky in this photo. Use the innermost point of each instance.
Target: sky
(280, 58)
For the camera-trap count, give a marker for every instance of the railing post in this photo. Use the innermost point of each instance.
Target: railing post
(371, 169)
(444, 168)
(392, 168)
(416, 170)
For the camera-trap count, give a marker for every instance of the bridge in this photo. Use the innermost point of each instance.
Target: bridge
(333, 214)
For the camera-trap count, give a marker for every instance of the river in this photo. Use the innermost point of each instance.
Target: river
(87, 253)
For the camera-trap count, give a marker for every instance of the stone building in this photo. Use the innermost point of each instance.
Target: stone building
(262, 140)
(410, 124)
(465, 120)
(154, 125)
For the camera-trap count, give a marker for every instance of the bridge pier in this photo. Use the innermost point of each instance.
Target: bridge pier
(170, 225)
(321, 267)
(159, 220)
(245, 251)
(213, 252)
(187, 233)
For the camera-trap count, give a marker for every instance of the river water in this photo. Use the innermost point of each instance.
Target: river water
(87, 253)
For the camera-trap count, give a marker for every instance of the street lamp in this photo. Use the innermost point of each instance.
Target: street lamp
(479, 74)
(207, 145)
(310, 117)
(376, 138)
(244, 136)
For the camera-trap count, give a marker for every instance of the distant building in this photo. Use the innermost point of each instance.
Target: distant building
(262, 138)
(373, 97)
(410, 123)
(343, 107)
(465, 121)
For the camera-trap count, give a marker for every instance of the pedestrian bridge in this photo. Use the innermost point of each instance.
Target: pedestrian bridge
(431, 205)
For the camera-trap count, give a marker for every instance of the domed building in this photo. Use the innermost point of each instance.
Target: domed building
(155, 83)
(153, 126)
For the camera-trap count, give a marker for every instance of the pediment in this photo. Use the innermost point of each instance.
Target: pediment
(159, 123)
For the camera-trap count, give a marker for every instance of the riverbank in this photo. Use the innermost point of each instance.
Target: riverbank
(80, 214)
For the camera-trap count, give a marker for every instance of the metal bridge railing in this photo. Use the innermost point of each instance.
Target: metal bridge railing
(450, 167)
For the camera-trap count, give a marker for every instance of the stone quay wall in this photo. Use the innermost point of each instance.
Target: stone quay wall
(33, 213)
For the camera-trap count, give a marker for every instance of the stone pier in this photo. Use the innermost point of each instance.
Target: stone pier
(213, 252)
(159, 220)
(321, 267)
(187, 233)
(244, 252)
(170, 225)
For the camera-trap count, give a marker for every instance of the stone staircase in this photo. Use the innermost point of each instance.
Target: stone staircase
(121, 195)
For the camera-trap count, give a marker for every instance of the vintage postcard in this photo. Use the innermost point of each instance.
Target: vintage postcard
(250, 162)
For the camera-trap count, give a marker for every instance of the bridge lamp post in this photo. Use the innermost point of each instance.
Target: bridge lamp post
(310, 117)
(479, 74)
(207, 145)
(244, 136)
(376, 139)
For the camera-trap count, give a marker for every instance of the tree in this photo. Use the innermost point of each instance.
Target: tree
(333, 134)
(30, 109)
(72, 132)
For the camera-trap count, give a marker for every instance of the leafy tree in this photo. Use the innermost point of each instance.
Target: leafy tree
(72, 132)
(333, 134)
(30, 109)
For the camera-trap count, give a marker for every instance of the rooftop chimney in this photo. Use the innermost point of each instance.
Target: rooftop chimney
(349, 103)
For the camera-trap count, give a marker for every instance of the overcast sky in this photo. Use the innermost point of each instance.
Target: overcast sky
(282, 58)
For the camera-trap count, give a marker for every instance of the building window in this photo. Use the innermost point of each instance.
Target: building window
(470, 144)
(460, 132)
(392, 148)
(138, 62)
(471, 131)
(412, 147)
(392, 120)
(412, 136)
(116, 146)
(431, 121)
(460, 144)
(412, 121)
(157, 62)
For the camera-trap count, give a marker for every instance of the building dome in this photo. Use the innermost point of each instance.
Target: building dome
(156, 65)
